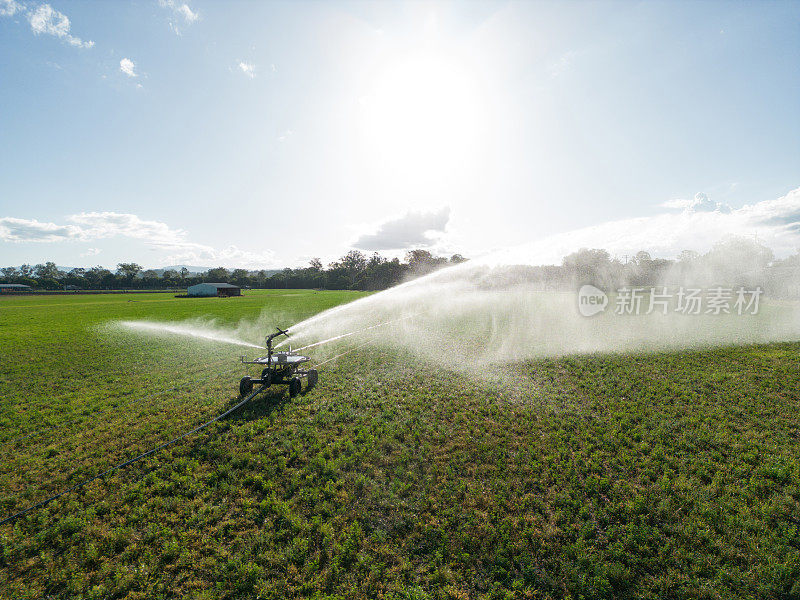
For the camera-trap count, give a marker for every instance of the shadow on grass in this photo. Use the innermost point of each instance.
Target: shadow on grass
(261, 406)
(264, 404)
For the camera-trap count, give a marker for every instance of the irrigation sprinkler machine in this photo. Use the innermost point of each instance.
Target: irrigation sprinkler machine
(279, 368)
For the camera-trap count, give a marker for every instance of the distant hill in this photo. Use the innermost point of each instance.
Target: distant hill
(192, 270)
(200, 270)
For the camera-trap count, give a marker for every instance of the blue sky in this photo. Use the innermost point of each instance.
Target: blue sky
(264, 134)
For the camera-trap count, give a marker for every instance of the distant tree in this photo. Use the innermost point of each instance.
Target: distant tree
(687, 256)
(75, 277)
(150, 278)
(350, 267)
(48, 270)
(457, 259)
(381, 273)
(741, 253)
(354, 270)
(645, 270)
(260, 279)
(737, 261)
(336, 276)
(586, 261)
(419, 261)
(240, 277)
(48, 283)
(372, 273)
(127, 272)
(354, 261)
(218, 275)
(791, 262)
(29, 281)
(96, 275)
(111, 281)
(278, 280)
(591, 266)
(311, 276)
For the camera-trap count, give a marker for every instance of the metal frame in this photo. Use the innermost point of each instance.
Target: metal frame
(280, 368)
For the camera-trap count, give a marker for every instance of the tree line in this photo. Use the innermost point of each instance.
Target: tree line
(355, 270)
(735, 261)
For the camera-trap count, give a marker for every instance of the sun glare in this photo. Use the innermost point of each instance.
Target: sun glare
(422, 116)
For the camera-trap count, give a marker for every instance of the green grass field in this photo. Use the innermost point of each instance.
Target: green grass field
(672, 475)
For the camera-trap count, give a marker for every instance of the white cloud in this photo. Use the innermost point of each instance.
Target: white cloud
(98, 225)
(31, 230)
(127, 66)
(406, 232)
(681, 203)
(776, 223)
(181, 11)
(45, 19)
(562, 64)
(187, 13)
(285, 135)
(9, 8)
(231, 256)
(703, 203)
(782, 214)
(92, 226)
(700, 203)
(89, 226)
(248, 69)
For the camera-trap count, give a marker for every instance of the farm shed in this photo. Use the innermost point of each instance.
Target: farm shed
(222, 290)
(14, 287)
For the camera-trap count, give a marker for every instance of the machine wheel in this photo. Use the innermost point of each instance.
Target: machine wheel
(266, 378)
(294, 387)
(245, 386)
(312, 379)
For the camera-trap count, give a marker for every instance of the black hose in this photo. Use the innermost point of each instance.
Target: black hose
(132, 460)
(101, 411)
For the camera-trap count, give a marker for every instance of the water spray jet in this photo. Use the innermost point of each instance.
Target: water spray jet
(187, 330)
